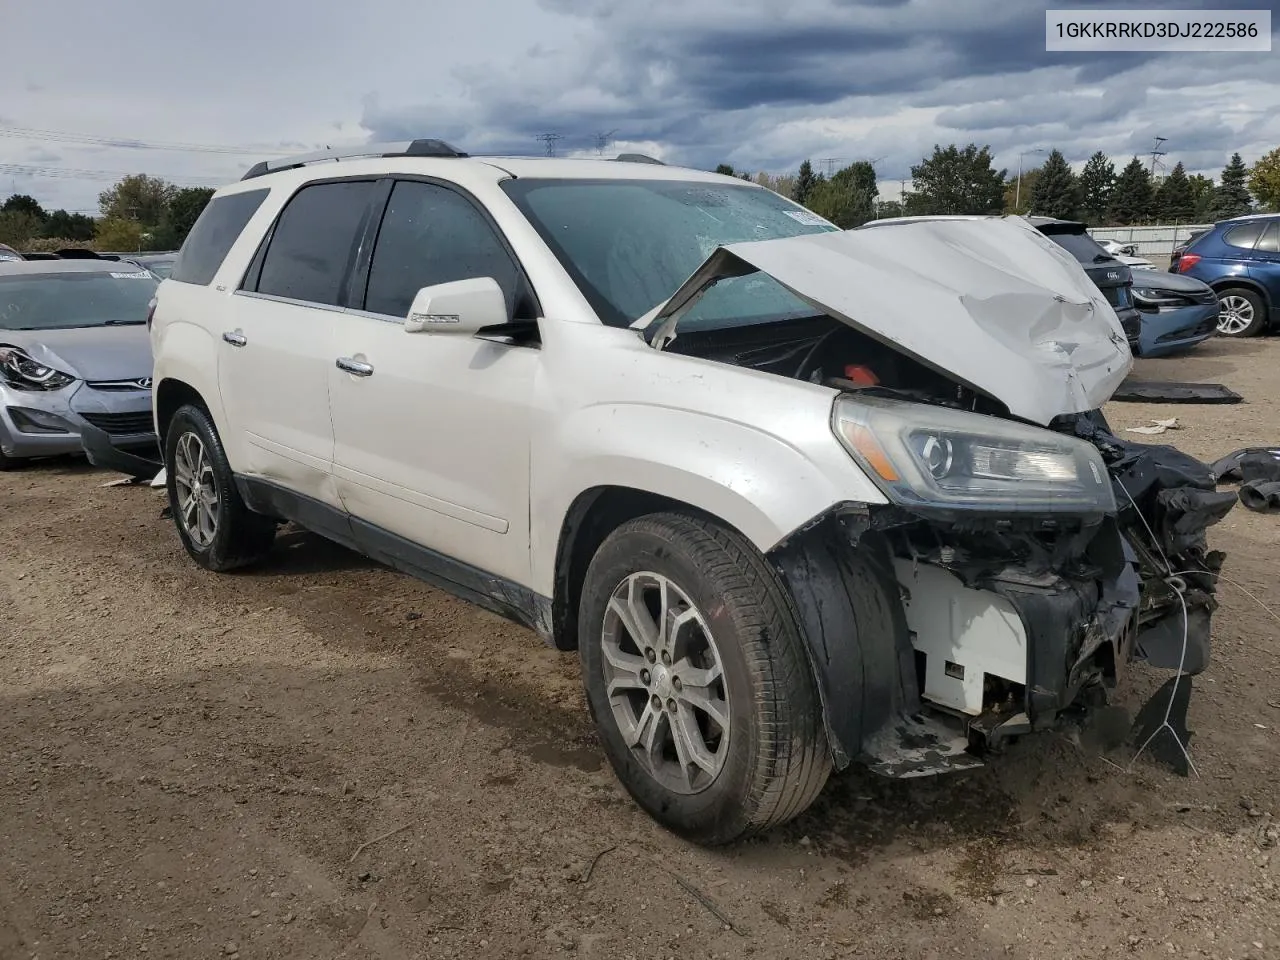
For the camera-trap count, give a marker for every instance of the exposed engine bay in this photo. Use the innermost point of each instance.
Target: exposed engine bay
(1009, 622)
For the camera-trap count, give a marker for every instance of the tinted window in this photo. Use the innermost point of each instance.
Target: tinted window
(311, 247)
(630, 244)
(1245, 235)
(215, 230)
(1269, 242)
(1081, 246)
(58, 301)
(432, 235)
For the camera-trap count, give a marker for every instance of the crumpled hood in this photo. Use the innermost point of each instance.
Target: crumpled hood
(89, 353)
(991, 304)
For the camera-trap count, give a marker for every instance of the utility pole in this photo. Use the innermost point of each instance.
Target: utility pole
(830, 162)
(1157, 152)
(602, 140)
(550, 139)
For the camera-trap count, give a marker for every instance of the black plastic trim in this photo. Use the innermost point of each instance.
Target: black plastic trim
(490, 591)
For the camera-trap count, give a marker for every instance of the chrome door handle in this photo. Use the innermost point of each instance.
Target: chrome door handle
(356, 367)
(235, 339)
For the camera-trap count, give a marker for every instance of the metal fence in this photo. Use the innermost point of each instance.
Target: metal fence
(1158, 240)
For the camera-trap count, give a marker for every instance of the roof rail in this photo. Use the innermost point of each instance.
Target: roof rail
(638, 158)
(404, 148)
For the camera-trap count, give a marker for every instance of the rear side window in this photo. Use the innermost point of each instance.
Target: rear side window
(1269, 242)
(1244, 236)
(311, 248)
(431, 235)
(215, 230)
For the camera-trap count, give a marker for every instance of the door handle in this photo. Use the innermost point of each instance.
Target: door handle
(355, 367)
(235, 339)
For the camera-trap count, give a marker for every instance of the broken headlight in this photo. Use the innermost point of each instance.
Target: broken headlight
(19, 370)
(922, 455)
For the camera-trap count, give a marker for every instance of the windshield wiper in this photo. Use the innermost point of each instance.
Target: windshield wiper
(123, 323)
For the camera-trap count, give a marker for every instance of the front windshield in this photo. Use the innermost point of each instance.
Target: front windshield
(630, 244)
(54, 301)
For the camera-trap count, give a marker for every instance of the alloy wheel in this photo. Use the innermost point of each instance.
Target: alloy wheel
(1235, 314)
(196, 489)
(665, 682)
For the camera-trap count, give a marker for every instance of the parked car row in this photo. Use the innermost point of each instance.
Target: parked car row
(788, 517)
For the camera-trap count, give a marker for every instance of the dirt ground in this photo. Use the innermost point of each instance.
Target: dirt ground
(321, 758)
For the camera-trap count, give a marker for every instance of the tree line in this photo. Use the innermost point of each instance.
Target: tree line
(963, 180)
(137, 213)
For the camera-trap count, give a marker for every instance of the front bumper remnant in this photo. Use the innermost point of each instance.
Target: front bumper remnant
(935, 641)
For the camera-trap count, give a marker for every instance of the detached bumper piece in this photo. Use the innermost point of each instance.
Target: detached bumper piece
(101, 451)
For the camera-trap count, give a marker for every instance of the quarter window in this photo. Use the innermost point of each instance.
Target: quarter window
(1244, 236)
(1269, 242)
(429, 235)
(215, 231)
(310, 252)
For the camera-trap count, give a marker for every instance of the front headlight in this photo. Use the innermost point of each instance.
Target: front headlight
(19, 370)
(1158, 298)
(927, 456)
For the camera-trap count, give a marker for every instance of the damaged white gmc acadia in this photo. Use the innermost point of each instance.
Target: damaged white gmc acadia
(799, 496)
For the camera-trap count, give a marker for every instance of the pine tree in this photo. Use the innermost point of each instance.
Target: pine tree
(1131, 198)
(1056, 193)
(957, 181)
(1097, 180)
(1202, 191)
(805, 182)
(1231, 199)
(1174, 200)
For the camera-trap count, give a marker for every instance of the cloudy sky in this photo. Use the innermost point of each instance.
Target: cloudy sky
(118, 87)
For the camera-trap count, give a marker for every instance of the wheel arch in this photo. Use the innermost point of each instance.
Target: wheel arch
(1247, 283)
(171, 395)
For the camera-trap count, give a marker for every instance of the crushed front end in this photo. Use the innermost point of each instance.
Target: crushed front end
(976, 626)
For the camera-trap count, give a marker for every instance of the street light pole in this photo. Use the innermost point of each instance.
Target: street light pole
(1017, 190)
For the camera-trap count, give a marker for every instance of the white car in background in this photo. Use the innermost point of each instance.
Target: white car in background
(1126, 253)
(798, 496)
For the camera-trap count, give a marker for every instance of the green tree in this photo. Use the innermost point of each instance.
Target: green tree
(957, 181)
(18, 228)
(848, 199)
(1264, 181)
(805, 182)
(22, 203)
(1097, 180)
(1056, 193)
(1017, 198)
(1202, 189)
(1131, 199)
(888, 208)
(1231, 199)
(180, 216)
(726, 170)
(1173, 198)
(137, 197)
(68, 226)
(114, 233)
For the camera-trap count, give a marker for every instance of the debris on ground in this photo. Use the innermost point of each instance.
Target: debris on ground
(1155, 427)
(1168, 391)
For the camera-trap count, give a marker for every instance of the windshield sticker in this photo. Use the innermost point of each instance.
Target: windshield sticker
(144, 275)
(807, 218)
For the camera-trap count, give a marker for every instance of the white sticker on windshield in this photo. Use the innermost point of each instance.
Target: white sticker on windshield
(144, 275)
(808, 218)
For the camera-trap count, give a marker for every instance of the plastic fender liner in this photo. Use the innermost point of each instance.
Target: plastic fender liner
(849, 609)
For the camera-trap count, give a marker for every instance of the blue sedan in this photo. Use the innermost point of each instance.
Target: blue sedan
(1178, 312)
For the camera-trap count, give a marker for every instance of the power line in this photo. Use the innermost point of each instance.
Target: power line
(602, 140)
(74, 173)
(130, 143)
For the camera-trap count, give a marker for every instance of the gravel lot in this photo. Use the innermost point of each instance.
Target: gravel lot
(323, 758)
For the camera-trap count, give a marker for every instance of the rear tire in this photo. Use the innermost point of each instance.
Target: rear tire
(218, 531)
(1242, 312)
(729, 679)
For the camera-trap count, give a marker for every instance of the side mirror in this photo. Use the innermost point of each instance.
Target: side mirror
(462, 307)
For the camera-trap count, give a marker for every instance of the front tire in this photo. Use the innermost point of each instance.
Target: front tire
(1241, 313)
(218, 531)
(697, 679)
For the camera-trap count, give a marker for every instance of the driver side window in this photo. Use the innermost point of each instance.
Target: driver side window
(431, 234)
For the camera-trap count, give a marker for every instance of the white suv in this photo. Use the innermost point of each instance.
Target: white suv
(798, 496)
